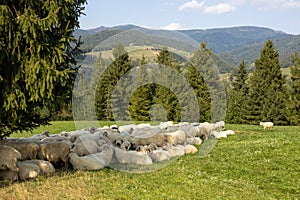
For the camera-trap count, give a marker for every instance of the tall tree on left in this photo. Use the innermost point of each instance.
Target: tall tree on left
(37, 58)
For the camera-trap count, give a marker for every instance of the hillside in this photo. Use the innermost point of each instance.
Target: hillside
(230, 45)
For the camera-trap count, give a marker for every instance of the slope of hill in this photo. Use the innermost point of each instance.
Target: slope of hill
(230, 45)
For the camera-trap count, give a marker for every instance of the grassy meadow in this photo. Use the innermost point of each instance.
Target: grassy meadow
(252, 164)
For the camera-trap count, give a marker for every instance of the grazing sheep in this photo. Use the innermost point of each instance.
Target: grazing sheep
(160, 155)
(39, 137)
(9, 158)
(175, 138)
(56, 153)
(132, 157)
(127, 128)
(190, 149)
(126, 145)
(27, 149)
(28, 170)
(45, 166)
(194, 141)
(219, 135)
(106, 154)
(86, 162)
(9, 175)
(175, 151)
(228, 132)
(165, 125)
(266, 125)
(85, 147)
(219, 126)
(158, 139)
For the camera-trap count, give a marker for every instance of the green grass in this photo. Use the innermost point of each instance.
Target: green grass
(252, 164)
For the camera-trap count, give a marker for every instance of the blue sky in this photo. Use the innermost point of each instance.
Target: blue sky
(283, 15)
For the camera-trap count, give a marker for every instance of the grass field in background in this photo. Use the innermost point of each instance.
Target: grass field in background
(252, 164)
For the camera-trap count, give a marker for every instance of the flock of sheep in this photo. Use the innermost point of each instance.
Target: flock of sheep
(96, 148)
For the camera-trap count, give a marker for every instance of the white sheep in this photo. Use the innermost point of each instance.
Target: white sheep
(45, 166)
(160, 155)
(175, 151)
(85, 147)
(27, 149)
(9, 158)
(132, 157)
(156, 138)
(28, 170)
(86, 162)
(190, 149)
(177, 137)
(266, 125)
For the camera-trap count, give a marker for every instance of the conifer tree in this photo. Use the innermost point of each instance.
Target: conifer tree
(293, 112)
(214, 105)
(267, 91)
(106, 86)
(163, 95)
(37, 49)
(237, 95)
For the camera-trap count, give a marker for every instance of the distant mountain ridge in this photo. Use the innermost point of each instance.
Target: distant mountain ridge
(230, 44)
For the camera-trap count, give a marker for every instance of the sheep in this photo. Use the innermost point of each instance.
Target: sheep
(146, 139)
(28, 170)
(27, 149)
(9, 158)
(86, 162)
(106, 154)
(127, 128)
(9, 175)
(266, 125)
(190, 149)
(177, 137)
(194, 141)
(85, 147)
(165, 125)
(39, 137)
(132, 157)
(228, 132)
(126, 145)
(175, 151)
(160, 155)
(45, 166)
(56, 153)
(219, 126)
(219, 135)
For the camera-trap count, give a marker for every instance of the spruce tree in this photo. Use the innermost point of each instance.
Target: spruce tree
(293, 106)
(106, 86)
(267, 91)
(163, 95)
(37, 51)
(237, 93)
(214, 105)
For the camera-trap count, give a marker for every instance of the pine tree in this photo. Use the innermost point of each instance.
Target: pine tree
(205, 65)
(293, 106)
(37, 51)
(267, 91)
(237, 96)
(201, 90)
(163, 95)
(105, 88)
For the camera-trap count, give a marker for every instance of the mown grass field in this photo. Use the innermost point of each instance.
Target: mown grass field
(252, 164)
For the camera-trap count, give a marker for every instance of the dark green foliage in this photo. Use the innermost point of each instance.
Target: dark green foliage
(267, 91)
(237, 93)
(106, 85)
(201, 90)
(293, 112)
(37, 49)
(203, 63)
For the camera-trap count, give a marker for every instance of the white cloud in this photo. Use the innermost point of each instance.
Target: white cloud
(172, 27)
(275, 4)
(191, 4)
(219, 9)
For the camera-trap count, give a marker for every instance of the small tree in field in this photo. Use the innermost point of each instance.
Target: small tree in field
(37, 50)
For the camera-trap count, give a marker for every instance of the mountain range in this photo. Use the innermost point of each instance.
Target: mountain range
(231, 45)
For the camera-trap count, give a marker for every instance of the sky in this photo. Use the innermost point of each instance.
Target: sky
(280, 15)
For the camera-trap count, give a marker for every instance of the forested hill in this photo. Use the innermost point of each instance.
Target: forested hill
(230, 44)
